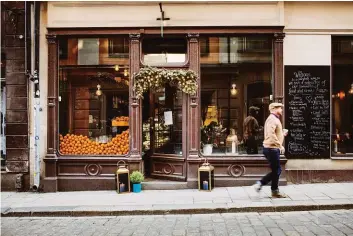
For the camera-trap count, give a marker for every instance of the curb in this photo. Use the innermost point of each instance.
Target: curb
(72, 213)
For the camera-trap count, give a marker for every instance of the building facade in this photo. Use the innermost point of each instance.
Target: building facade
(245, 56)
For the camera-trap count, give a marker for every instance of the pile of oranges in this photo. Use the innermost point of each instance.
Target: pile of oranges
(122, 118)
(82, 145)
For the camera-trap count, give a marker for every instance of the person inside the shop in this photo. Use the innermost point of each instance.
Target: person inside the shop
(273, 141)
(251, 129)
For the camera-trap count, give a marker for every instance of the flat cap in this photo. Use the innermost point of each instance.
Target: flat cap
(275, 105)
(254, 108)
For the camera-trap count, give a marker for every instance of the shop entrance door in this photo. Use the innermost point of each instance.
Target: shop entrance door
(167, 109)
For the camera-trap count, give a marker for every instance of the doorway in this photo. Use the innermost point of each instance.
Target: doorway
(163, 137)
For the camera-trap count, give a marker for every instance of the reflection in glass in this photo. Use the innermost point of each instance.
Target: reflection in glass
(342, 98)
(161, 51)
(236, 74)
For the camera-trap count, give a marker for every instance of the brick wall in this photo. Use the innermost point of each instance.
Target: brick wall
(17, 141)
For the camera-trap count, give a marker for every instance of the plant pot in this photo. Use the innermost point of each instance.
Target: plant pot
(207, 149)
(136, 187)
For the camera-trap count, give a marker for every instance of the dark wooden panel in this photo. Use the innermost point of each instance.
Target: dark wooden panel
(16, 78)
(77, 169)
(15, 66)
(16, 129)
(83, 114)
(17, 154)
(17, 141)
(16, 116)
(17, 166)
(82, 93)
(81, 124)
(87, 104)
(16, 91)
(82, 132)
(16, 103)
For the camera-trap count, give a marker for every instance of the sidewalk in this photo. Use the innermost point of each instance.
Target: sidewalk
(303, 197)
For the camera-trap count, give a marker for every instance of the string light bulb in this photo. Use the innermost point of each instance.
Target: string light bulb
(351, 90)
(341, 95)
(234, 90)
(126, 72)
(99, 91)
(116, 68)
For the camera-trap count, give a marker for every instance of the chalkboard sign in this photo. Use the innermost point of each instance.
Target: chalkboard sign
(307, 111)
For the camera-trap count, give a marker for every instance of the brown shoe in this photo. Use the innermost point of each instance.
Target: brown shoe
(277, 194)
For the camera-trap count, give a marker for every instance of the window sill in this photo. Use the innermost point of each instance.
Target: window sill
(342, 157)
(238, 156)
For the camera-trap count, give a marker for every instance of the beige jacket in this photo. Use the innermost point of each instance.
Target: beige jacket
(273, 133)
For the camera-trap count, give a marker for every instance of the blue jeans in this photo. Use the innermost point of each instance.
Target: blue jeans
(272, 156)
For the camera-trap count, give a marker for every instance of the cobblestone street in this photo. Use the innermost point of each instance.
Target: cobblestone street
(339, 222)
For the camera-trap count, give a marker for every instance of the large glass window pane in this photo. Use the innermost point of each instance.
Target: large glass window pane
(342, 95)
(235, 96)
(93, 99)
(164, 51)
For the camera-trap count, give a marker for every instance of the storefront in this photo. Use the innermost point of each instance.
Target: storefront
(96, 120)
(95, 117)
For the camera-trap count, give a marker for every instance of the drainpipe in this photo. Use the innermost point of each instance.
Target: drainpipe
(35, 14)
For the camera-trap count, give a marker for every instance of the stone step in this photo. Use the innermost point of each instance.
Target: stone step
(163, 185)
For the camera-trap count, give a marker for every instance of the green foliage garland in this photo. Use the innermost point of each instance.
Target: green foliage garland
(155, 79)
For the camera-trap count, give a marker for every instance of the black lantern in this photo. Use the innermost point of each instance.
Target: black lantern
(206, 177)
(122, 178)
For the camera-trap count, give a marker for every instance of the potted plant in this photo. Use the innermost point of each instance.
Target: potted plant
(207, 137)
(136, 177)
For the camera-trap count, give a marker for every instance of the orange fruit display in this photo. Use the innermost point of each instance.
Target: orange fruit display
(82, 145)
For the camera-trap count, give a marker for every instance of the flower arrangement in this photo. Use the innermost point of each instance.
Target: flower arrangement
(211, 133)
(155, 79)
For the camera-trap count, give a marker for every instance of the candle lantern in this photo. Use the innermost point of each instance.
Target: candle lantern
(122, 178)
(232, 142)
(206, 177)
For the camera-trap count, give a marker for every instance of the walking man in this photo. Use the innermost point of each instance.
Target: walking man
(273, 140)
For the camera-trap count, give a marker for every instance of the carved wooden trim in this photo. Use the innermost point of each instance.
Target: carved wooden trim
(51, 38)
(168, 30)
(193, 110)
(135, 111)
(52, 135)
(278, 67)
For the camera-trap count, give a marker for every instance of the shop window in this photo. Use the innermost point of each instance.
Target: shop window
(63, 48)
(94, 51)
(88, 51)
(119, 47)
(232, 50)
(164, 51)
(342, 96)
(235, 99)
(94, 104)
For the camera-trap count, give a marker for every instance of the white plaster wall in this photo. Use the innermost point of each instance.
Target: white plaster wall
(144, 14)
(307, 49)
(43, 75)
(318, 16)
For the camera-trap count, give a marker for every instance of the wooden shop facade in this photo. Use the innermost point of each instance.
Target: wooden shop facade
(95, 119)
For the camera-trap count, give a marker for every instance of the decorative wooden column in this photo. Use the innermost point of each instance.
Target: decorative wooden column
(193, 109)
(278, 67)
(50, 182)
(52, 132)
(135, 104)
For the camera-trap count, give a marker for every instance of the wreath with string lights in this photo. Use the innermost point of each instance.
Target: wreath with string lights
(151, 78)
